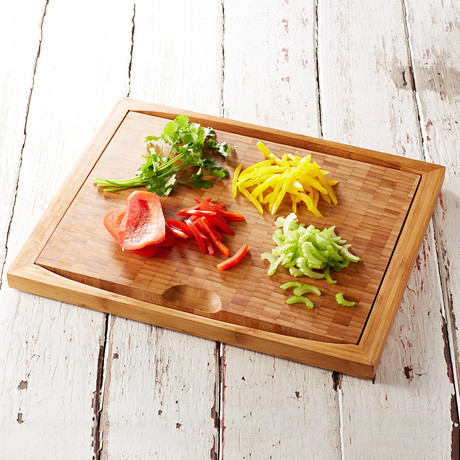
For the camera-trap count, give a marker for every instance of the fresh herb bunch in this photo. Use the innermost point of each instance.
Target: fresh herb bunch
(189, 142)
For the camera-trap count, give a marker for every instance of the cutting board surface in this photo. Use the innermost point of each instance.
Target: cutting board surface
(373, 204)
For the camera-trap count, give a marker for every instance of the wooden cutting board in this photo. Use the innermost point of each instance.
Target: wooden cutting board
(384, 205)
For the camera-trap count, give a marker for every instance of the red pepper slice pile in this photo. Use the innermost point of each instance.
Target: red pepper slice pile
(140, 226)
(206, 220)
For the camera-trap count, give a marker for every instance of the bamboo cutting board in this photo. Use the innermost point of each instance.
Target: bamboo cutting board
(385, 203)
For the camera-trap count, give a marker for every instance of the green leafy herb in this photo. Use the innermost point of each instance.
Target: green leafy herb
(188, 143)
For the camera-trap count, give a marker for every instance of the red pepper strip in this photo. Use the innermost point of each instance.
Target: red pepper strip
(220, 224)
(209, 246)
(234, 259)
(214, 237)
(200, 212)
(176, 231)
(231, 216)
(204, 235)
(197, 235)
(143, 223)
(220, 211)
(199, 200)
(178, 225)
(184, 211)
(209, 228)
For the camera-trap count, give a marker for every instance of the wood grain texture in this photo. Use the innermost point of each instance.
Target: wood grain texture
(367, 99)
(49, 396)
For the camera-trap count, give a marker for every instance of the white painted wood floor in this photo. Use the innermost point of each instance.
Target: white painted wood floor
(77, 384)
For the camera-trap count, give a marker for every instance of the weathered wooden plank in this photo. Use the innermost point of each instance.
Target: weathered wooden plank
(434, 35)
(50, 352)
(367, 99)
(20, 38)
(274, 408)
(161, 387)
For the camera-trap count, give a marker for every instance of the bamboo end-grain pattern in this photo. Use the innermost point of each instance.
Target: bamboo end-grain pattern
(373, 204)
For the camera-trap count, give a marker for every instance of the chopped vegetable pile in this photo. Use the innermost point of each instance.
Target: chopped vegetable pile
(140, 226)
(304, 251)
(307, 252)
(188, 145)
(270, 181)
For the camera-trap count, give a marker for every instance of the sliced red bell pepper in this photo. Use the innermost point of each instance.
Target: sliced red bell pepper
(231, 216)
(219, 208)
(197, 235)
(176, 225)
(143, 223)
(234, 259)
(204, 235)
(177, 232)
(200, 212)
(220, 224)
(214, 236)
(185, 211)
(112, 221)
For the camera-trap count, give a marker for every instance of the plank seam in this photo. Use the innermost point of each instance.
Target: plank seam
(223, 60)
(132, 48)
(336, 376)
(98, 399)
(318, 88)
(26, 119)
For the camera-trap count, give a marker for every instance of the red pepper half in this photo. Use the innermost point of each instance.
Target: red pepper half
(234, 259)
(112, 221)
(143, 223)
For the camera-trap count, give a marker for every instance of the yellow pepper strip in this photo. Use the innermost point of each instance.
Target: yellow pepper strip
(268, 154)
(235, 179)
(248, 172)
(252, 199)
(295, 160)
(287, 184)
(276, 192)
(264, 185)
(325, 183)
(310, 204)
(326, 198)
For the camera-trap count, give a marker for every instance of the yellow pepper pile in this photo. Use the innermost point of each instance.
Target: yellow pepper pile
(270, 181)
